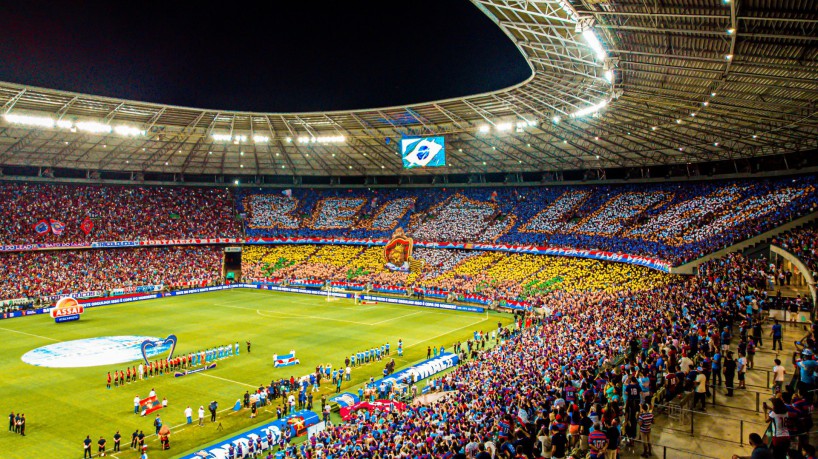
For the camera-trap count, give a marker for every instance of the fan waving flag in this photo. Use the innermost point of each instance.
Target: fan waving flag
(149, 405)
(285, 360)
(87, 225)
(57, 227)
(41, 227)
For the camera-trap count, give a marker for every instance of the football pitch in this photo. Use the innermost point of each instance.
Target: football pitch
(63, 405)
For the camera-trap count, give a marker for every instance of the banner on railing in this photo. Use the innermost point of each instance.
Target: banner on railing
(391, 289)
(14, 302)
(307, 283)
(348, 285)
(136, 289)
(425, 304)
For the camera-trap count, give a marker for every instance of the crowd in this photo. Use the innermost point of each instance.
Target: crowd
(459, 219)
(670, 221)
(495, 275)
(585, 377)
(803, 243)
(113, 213)
(46, 273)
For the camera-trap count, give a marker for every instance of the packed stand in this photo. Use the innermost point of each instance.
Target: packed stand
(589, 376)
(46, 273)
(803, 243)
(113, 213)
(495, 275)
(669, 221)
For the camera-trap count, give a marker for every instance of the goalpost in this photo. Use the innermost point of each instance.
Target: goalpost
(330, 291)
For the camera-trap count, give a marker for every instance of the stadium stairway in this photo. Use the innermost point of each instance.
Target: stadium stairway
(764, 238)
(723, 429)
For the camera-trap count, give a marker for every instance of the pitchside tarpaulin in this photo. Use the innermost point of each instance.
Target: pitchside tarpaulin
(298, 423)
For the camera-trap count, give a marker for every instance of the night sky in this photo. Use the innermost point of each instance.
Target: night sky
(286, 56)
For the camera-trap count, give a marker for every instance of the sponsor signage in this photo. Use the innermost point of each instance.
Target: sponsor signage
(66, 310)
(297, 423)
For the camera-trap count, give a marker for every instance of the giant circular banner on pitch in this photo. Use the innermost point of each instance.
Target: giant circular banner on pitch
(93, 352)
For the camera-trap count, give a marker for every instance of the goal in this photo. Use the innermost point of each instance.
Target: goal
(331, 290)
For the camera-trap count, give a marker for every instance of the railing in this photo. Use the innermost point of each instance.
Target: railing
(661, 451)
(699, 424)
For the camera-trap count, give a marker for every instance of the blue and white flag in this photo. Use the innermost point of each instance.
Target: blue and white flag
(345, 399)
(423, 152)
(285, 360)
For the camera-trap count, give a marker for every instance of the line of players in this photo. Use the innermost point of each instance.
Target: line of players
(373, 354)
(161, 367)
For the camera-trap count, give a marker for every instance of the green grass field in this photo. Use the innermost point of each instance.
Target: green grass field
(63, 405)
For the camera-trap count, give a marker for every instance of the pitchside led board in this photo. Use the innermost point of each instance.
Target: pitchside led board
(423, 152)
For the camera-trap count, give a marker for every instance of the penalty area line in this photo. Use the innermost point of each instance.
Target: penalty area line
(446, 333)
(228, 380)
(398, 317)
(298, 316)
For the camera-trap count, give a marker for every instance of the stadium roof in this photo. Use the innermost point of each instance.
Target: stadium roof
(624, 84)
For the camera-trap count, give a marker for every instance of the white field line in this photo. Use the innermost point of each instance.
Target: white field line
(446, 333)
(29, 334)
(299, 316)
(398, 317)
(228, 380)
(345, 305)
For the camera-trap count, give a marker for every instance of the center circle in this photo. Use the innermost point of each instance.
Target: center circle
(94, 352)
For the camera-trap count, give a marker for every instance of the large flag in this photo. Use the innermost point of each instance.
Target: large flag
(57, 227)
(285, 360)
(421, 152)
(288, 193)
(41, 227)
(87, 225)
(149, 405)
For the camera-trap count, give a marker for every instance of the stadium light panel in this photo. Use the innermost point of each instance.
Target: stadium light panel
(65, 124)
(128, 131)
(588, 110)
(222, 137)
(30, 120)
(260, 139)
(94, 128)
(485, 128)
(590, 37)
(504, 127)
(609, 76)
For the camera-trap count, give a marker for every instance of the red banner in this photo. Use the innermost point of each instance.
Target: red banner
(87, 225)
(382, 405)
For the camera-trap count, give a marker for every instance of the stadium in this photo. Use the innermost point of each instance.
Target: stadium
(583, 264)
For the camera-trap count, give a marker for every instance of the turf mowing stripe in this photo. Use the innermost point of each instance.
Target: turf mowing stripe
(29, 334)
